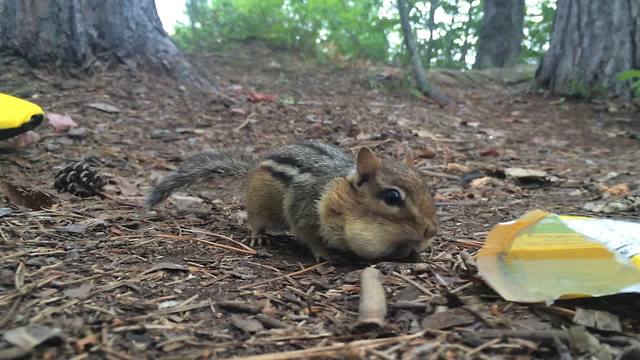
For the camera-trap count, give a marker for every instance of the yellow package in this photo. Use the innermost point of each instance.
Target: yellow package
(542, 257)
(18, 116)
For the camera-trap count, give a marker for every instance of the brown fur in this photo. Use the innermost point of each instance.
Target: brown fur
(315, 191)
(354, 218)
(264, 196)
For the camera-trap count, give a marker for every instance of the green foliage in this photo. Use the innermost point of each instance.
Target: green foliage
(537, 28)
(347, 28)
(633, 76)
(366, 29)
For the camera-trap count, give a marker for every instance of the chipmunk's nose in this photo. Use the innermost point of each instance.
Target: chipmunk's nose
(430, 231)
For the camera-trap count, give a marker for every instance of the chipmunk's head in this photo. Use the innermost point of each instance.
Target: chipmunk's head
(384, 208)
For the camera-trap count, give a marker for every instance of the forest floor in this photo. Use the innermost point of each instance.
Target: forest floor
(106, 278)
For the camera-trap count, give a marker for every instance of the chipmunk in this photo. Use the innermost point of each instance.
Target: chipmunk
(371, 208)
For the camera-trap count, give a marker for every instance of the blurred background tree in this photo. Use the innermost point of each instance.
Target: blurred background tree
(446, 31)
(81, 34)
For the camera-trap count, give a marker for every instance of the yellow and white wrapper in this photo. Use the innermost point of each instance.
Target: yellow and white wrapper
(543, 257)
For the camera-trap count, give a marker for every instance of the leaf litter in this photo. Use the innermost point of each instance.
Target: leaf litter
(119, 281)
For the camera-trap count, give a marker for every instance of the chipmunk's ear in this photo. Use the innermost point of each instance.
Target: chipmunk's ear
(367, 164)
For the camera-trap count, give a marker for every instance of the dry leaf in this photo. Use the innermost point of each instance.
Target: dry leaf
(23, 140)
(489, 152)
(422, 133)
(260, 97)
(61, 123)
(28, 337)
(125, 186)
(457, 168)
(520, 173)
(81, 292)
(108, 108)
(166, 266)
(426, 153)
(27, 197)
(246, 325)
(20, 161)
(81, 344)
(530, 175)
(482, 182)
(617, 190)
(5, 211)
(600, 320)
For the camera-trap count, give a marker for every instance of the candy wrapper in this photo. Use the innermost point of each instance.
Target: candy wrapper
(543, 257)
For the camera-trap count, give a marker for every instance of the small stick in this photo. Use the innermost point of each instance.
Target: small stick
(373, 304)
(412, 282)
(488, 344)
(299, 272)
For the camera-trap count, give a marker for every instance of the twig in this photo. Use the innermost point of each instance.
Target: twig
(415, 284)
(373, 305)
(244, 123)
(225, 237)
(327, 351)
(247, 250)
(439, 174)
(9, 314)
(483, 346)
(295, 273)
(539, 335)
(238, 306)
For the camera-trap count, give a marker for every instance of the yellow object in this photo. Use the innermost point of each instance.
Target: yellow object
(18, 116)
(542, 257)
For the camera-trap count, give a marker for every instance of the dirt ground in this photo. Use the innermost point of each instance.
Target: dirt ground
(106, 278)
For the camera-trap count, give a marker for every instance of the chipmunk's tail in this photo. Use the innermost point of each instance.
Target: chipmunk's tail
(201, 168)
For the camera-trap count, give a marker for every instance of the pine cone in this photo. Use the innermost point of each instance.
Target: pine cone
(80, 179)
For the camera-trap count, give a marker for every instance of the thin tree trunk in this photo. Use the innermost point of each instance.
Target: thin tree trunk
(500, 40)
(75, 32)
(431, 25)
(467, 28)
(416, 63)
(449, 51)
(592, 42)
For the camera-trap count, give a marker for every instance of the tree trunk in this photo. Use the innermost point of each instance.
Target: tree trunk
(467, 29)
(500, 38)
(592, 42)
(76, 32)
(449, 50)
(410, 42)
(431, 24)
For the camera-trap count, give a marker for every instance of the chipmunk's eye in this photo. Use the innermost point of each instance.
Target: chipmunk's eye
(392, 197)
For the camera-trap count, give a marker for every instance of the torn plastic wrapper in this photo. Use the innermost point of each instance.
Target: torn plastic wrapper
(543, 257)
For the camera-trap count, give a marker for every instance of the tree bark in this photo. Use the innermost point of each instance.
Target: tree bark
(592, 42)
(500, 38)
(76, 32)
(416, 63)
